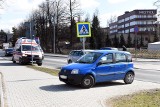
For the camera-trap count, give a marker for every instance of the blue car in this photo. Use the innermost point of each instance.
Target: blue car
(99, 66)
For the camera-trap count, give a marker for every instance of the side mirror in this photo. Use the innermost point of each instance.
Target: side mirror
(99, 63)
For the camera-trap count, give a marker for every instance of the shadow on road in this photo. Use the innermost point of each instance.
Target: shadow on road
(60, 87)
(9, 64)
(108, 84)
(64, 87)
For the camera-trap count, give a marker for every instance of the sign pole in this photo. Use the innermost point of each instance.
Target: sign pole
(136, 45)
(136, 29)
(84, 43)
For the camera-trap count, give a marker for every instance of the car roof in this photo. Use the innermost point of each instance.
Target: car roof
(9, 48)
(111, 51)
(112, 48)
(86, 50)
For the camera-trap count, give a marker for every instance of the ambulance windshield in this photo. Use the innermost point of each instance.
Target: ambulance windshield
(28, 48)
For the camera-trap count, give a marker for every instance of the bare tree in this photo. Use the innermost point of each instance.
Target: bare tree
(53, 19)
(2, 3)
(73, 11)
(111, 20)
(157, 3)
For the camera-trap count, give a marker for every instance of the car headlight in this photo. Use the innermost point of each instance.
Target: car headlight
(75, 71)
(24, 55)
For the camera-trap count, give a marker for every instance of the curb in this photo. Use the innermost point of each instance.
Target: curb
(3, 92)
(56, 55)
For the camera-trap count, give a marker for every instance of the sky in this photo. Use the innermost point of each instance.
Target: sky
(16, 11)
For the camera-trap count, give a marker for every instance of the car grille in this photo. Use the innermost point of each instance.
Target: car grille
(66, 72)
(33, 55)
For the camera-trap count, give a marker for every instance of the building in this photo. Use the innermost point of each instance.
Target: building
(126, 24)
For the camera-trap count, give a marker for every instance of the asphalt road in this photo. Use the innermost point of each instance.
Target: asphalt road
(141, 74)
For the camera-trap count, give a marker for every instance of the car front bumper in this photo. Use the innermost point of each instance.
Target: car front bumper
(72, 78)
(29, 59)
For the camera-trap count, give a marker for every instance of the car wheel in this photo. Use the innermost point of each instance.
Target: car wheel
(129, 78)
(20, 61)
(68, 83)
(39, 64)
(13, 60)
(69, 61)
(87, 81)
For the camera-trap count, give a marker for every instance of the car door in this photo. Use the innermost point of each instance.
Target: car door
(105, 68)
(120, 65)
(17, 54)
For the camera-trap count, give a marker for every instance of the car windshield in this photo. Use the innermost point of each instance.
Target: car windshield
(9, 49)
(28, 48)
(89, 58)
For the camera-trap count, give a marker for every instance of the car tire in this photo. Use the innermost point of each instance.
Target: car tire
(68, 83)
(39, 64)
(69, 61)
(13, 60)
(21, 61)
(87, 81)
(129, 78)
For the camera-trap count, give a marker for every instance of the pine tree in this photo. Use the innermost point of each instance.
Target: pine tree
(108, 41)
(141, 42)
(116, 41)
(129, 41)
(95, 40)
(156, 39)
(122, 41)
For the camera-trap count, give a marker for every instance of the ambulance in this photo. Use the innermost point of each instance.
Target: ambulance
(27, 51)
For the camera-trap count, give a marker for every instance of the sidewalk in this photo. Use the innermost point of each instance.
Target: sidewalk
(55, 55)
(26, 87)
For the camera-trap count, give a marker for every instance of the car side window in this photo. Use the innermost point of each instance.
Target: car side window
(107, 59)
(129, 58)
(18, 49)
(72, 53)
(76, 53)
(80, 53)
(119, 57)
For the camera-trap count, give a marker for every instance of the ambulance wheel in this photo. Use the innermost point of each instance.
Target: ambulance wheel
(13, 60)
(21, 61)
(39, 64)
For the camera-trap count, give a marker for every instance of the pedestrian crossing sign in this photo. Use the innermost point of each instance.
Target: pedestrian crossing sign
(83, 29)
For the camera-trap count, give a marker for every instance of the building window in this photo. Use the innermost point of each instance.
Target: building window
(132, 30)
(133, 17)
(132, 23)
(127, 24)
(126, 19)
(126, 31)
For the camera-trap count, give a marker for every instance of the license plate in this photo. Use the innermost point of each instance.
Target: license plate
(63, 76)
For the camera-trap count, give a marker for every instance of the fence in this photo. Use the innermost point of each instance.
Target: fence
(144, 53)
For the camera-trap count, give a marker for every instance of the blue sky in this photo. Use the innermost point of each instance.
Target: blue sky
(16, 11)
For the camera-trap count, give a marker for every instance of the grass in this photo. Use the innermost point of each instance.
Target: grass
(43, 69)
(143, 99)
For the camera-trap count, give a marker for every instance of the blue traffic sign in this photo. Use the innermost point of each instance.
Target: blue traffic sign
(136, 29)
(83, 29)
